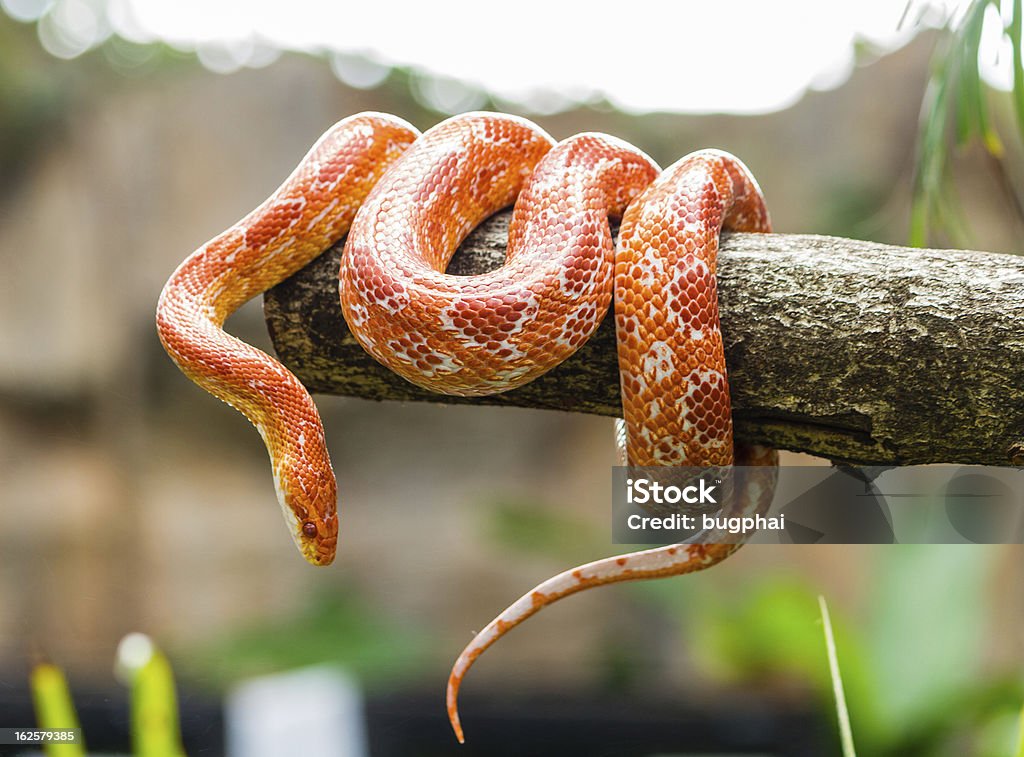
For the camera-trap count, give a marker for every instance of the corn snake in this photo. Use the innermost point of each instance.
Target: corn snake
(406, 201)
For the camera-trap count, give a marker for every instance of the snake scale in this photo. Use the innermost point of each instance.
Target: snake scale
(406, 201)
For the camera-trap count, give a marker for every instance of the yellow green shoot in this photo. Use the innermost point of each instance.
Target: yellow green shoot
(154, 703)
(54, 708)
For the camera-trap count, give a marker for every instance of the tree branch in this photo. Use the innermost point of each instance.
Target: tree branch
(854, 351)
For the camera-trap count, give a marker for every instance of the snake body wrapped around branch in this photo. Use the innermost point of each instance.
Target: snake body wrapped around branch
(406, 202)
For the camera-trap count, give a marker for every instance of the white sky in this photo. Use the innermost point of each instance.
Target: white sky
(743, 56)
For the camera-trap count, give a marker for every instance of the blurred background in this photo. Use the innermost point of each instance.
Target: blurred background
(130, 500)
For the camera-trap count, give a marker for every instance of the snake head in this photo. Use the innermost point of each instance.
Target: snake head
(317, 538)
(308, 499)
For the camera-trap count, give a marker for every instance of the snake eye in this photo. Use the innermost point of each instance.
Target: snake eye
(309, 529)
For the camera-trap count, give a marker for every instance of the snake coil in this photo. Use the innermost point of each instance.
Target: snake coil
(406, 202)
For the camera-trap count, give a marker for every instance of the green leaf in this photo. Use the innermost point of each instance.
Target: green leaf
(966, 114)
(931, 156)
(956, 89)
(842, 713)
(974, 87)
(54, 708)
(154, 703)
(155, 728)
(1018, 63)
(970, 104)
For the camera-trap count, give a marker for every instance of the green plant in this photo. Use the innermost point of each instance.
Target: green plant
(154, 704)
(914, 669)
(842, 713)
(958, 100)
(54, 708)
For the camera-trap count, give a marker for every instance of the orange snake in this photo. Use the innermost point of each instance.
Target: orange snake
(407, 201)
